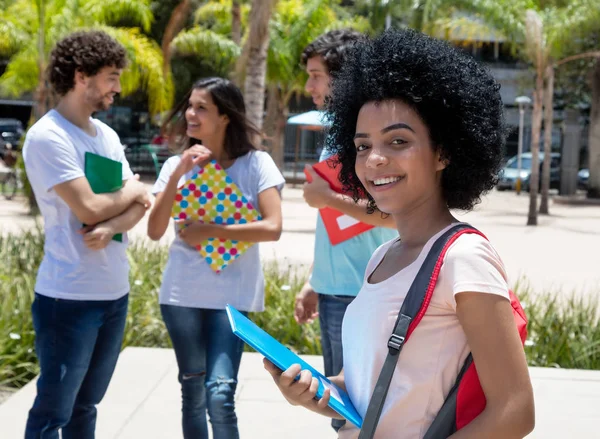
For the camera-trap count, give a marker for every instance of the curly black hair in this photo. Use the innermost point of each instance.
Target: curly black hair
(84, 51)
(457, 99)
(332, 46)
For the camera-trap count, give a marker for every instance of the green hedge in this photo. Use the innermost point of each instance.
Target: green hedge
(563, 333)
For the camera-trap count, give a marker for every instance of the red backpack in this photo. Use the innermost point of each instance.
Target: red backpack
(466, 399)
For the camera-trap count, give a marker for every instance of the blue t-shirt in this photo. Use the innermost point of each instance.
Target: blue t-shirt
(340, 269)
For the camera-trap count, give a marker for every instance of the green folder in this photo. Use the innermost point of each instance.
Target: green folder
(104, 175)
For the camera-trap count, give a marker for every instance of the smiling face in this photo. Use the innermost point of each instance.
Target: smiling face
(202, 116)
(395, 160)
(318, 82)
(100, 89)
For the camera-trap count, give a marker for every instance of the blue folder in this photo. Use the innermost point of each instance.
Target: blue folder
(283, 358)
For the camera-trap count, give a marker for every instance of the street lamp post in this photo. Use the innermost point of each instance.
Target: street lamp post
(522, 102)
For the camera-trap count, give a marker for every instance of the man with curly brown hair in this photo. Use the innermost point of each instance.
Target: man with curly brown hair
(82, 286)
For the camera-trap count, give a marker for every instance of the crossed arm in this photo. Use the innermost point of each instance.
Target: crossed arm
(107, 214)
(269, 229)
(91, 208)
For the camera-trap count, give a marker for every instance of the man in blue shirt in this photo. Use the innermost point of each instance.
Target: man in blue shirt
(338, 271)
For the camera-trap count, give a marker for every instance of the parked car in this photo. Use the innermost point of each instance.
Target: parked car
(11, 131)
(507, 179)
(583, 177)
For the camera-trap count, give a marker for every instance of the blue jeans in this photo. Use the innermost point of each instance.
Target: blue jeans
(208, 355)
(77, 344)
(331, 313)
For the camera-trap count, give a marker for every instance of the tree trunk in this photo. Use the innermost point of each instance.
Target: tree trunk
(594, 136)
(536, 126)
(275, 121)
(174, 26)
(548, 116)
(256, 60)
(236, 22)
(279, 138)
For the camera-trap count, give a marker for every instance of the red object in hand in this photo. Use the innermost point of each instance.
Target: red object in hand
(340, 227)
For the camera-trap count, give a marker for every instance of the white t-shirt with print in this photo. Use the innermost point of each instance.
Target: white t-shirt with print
(435, 353)
(188, 280)
(54, 152)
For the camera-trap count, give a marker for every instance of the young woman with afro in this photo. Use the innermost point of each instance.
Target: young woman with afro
(418, 126)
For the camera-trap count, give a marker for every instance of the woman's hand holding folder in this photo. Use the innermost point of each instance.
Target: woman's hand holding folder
(300, 388)
(195, 155)
(160, 216)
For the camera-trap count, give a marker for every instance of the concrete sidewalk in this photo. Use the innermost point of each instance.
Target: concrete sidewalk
(143, 401)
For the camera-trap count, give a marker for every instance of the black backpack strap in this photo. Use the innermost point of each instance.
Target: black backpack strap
(413, 308)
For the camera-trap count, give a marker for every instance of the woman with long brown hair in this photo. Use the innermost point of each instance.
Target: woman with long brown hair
(210, 123)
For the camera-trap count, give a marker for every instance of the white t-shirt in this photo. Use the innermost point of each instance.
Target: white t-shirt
(188, 280)
(435, 352)
(54, 152)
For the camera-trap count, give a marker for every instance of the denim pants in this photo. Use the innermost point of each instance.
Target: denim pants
(331, 314)
(77, 344)
(208, 355)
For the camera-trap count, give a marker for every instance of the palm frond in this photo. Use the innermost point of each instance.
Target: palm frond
(14, 38)
(145, 69)
(4, 4)
(23, 13)
(201, 42)
(507, 16)
(535, 40)
(114, 12)
(360, 24)
(22, 73)
(64, 19)
(316, 16)
(294, 25)
(465, 29)
(576, 20)
(216, 16)
(216, 9)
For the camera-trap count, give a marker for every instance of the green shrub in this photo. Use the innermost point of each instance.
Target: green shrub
(281, 286)
(562, 332)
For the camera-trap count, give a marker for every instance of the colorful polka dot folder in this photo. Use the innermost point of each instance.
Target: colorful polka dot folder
(210, 196)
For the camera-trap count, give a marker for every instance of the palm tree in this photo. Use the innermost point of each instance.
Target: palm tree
(30, 28)
(563, 24)
(534, 47)
(210, 37)
(294, 24)
(543, 27)
(549, 118)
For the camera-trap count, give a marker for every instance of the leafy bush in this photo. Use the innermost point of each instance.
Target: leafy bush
(563, 332)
